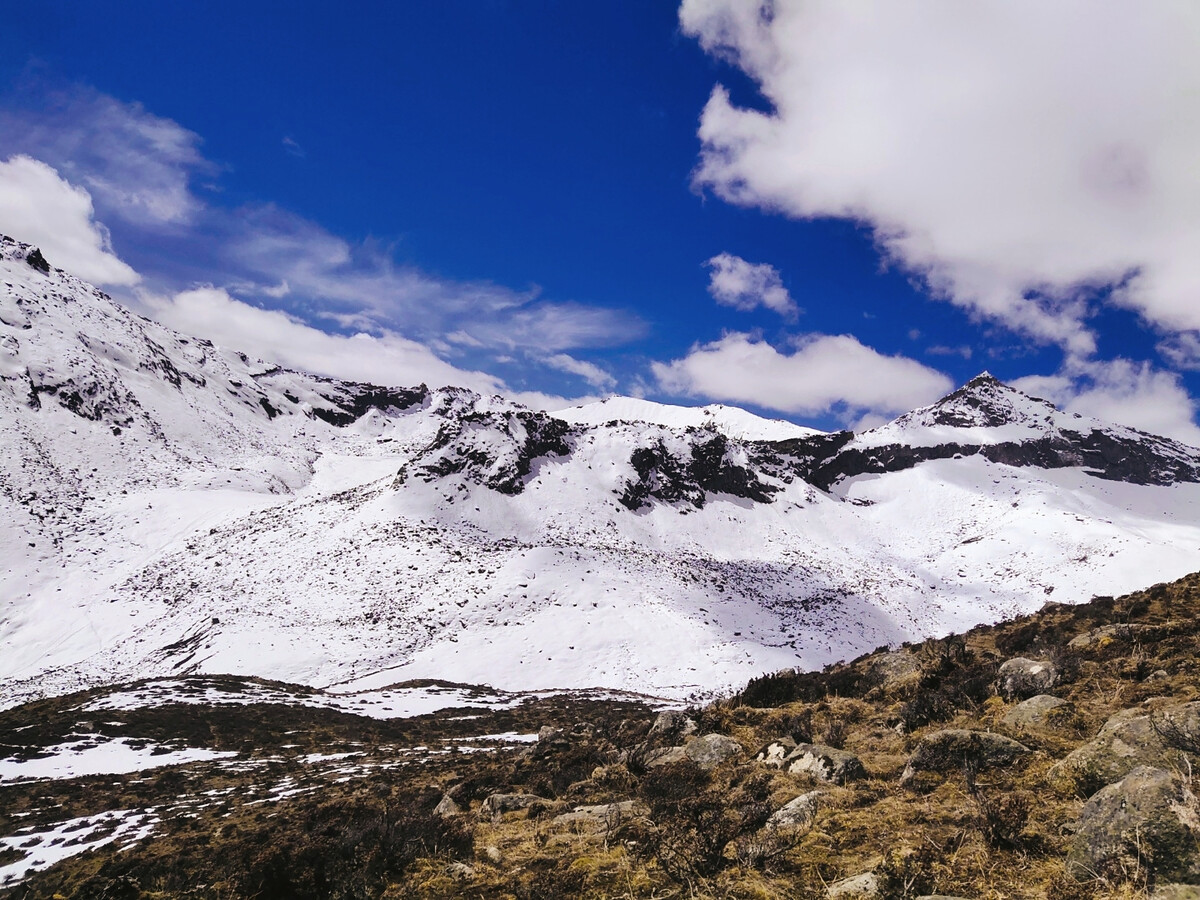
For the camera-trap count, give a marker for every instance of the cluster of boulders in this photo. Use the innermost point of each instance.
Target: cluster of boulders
(1141, 810)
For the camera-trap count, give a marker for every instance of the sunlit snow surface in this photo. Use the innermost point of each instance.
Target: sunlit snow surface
(63, 840)
(207, 537)
(95, 754)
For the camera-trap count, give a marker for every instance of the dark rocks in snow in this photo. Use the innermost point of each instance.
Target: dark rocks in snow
(351, 401)
(494, 449)
(37, 261)
(662, 475)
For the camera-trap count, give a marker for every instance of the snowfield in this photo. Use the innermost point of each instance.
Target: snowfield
(169, 507)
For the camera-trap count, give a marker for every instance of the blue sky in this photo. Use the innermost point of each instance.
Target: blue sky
(826, 215)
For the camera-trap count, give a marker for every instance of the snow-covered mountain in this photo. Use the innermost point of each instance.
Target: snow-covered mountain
(168, 506)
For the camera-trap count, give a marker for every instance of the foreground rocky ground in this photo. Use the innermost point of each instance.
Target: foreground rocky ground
(1046, 757)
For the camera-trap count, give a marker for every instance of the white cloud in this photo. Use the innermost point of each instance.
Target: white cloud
(1018, 154)
(1121, 391)
(39, 207)
(360, 285)
(385, 359)
(589, 372)
(1182, 350)
(745, 286)
(137, 165)
(823, 373)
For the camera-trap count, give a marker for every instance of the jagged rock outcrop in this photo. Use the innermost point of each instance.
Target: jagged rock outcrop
(707, 468)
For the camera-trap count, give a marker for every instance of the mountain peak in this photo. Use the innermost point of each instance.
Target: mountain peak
(986, 402)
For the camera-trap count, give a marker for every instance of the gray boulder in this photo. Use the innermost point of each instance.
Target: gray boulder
(1131, 738)
(604, 815)
(496, 805)
(897, 671)
(824, 763)
(1149, 819)
(1099, 638)
(673, 721)
(949, 750)
(1176, 892)
(1020, 678)
(859, 887)
(447, 807)
(1042, 711)
(665, 756)
(774, 753)
(797, 813)
(710, 750)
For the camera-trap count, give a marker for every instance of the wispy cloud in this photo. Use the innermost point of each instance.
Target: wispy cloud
(103, 160)
(746, 286)
(292, 147)
(589, 372)
(137, 166)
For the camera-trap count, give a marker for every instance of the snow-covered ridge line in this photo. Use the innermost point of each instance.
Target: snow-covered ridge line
(171, 507)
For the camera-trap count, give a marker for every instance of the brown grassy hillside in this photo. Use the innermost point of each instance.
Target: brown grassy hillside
(606, 806)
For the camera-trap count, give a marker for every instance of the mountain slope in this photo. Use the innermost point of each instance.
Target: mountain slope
(171, 507)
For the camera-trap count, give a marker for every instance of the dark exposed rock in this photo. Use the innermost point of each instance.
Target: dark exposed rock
(493, 449)
(661, 475)
(984, 402)
(37, 261)
(356, 400)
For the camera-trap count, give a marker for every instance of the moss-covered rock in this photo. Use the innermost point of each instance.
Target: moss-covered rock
(1149, 820)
